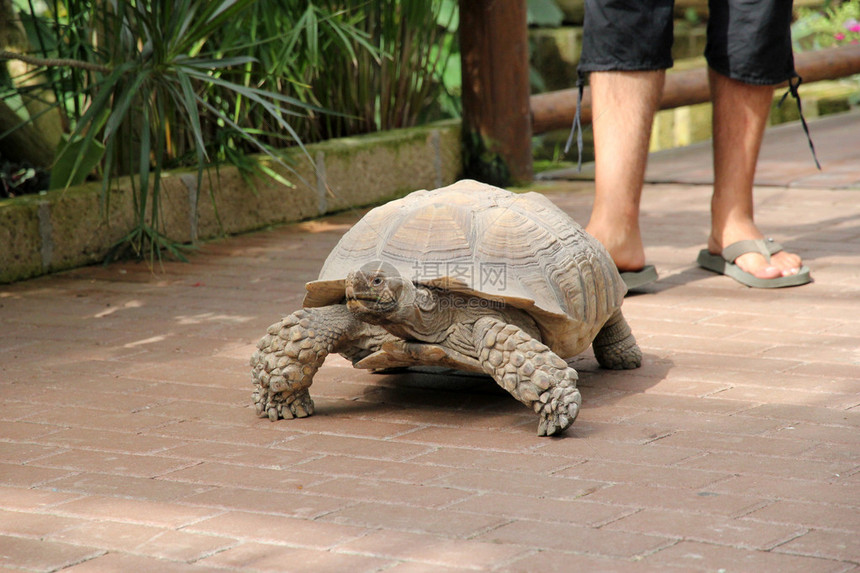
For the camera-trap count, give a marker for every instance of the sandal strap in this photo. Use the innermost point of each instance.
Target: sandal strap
(765, 247)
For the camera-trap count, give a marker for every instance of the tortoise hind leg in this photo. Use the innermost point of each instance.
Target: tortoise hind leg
(530, 371)
(615, 347)
(289, 355)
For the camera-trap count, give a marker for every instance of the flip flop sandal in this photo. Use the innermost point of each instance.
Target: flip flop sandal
(637, 279)
(725, 264)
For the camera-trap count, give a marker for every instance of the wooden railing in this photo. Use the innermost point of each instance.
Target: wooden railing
(555, 110)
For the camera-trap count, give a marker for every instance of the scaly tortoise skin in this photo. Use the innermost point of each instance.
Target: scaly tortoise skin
(468, 276)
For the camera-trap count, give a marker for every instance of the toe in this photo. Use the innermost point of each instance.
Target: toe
(787, 263)
(758, 266)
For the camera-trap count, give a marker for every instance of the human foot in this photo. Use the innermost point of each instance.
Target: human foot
(624, 245)
(779, 264)
(726, 263)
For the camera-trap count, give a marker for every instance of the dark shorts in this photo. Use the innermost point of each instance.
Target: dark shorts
(748, 40)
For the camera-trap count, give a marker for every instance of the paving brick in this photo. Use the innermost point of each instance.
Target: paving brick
(575, 511)
(575, 539)
(817, 369)
(816, 432)
(38, 555)
(16, 453)
(26, 431)
(433, 550)
(21, 499)
(80, 417)
(296, 503)
(652, 452)
(708, 441)
(237, 396)
(107, 535)
(152, 513)
(796, 413)
(463, 458)
(770, 465)
(357, 447)
(632, 433)
(653, 475)
(28, 476)
(124, 486)
(257, 432)
(25, 524)
(383, 516)
(111, 462)
(414, 567)
(277, 529)
(709, 405)
(739, 533)
(552, 487)
(564, 562)
(214, 473)
(814, 515)
(336, 420)
(182, 546)
(773, 488)
(14, 411)
(421, 495)
(831, 452)
(637, 496)
(245, 455)
(697, 556)
(259, 557)
(829, 544)
(117, 562)
(669, 421)
(96, 402)
(109, 441)
(790, 396)
(204, 376)
(505, 441)
(405, 472)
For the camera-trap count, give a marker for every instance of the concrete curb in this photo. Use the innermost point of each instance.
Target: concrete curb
(60, 230)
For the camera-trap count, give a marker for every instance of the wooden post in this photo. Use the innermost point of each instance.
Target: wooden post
(496, 114)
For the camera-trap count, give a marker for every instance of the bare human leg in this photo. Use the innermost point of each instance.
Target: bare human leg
(623, 107)
(739, 118)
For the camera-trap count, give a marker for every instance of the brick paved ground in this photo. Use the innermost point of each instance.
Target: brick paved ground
(127, 440)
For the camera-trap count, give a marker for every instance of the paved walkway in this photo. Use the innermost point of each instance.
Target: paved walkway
(128, 443)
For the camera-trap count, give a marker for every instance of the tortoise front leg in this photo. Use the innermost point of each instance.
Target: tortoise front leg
(289, 355)
(530, 371)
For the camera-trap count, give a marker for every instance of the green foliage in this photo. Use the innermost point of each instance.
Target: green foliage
(165, 83)
(480, 162)
(394, 74)
(837, 24)
(544, 13)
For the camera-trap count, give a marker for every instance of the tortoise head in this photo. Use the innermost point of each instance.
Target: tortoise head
(377, 293)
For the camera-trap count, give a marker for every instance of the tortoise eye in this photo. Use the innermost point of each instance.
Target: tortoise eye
(376, 281)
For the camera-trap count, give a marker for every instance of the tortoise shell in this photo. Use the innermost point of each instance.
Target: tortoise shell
(516, 249)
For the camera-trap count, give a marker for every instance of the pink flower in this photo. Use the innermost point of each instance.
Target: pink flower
(854, 28)
(852, 25)
(839, 36)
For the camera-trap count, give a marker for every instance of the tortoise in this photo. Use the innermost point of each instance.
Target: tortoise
(468, 276)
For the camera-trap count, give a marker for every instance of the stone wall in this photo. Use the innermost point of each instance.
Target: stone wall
(59, 230)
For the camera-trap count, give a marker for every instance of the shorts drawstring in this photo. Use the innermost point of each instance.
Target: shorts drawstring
(793, 84)
(576, 128)
(577, 121)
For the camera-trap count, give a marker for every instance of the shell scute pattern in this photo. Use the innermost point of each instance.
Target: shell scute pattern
(520, 249)
(406, 286)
